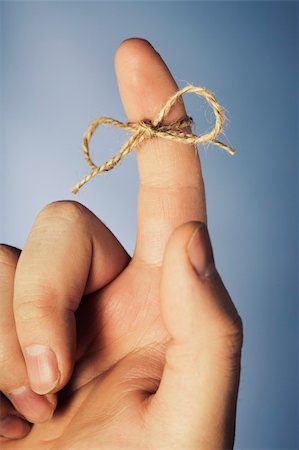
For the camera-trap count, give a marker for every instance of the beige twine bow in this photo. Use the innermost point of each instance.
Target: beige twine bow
(149, 129)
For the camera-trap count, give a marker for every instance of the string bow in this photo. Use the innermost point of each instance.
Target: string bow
(146, 129)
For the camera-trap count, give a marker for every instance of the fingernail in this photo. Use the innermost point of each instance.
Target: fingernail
(13, 427)
(42, 368)
(200, 251)
(34, 407)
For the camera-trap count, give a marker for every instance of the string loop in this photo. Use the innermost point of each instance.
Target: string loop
(146, 129)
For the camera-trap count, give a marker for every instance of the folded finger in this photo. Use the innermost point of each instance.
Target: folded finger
(69, 253)
(13, 374)
(12, 425)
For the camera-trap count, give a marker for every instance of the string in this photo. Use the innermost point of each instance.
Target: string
(146, 129)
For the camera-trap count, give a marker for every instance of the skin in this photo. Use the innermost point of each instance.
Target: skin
(147, 347)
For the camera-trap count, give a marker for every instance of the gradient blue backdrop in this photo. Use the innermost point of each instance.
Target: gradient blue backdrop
(57, 74)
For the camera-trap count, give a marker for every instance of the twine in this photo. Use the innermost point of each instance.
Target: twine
(146, 129)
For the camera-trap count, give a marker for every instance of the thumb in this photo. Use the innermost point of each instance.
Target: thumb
(200, 381)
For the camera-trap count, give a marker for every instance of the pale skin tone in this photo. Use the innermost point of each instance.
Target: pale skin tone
(155, 361)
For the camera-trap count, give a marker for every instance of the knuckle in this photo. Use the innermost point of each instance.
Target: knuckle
(8, 255)
(230, 335)
(5, 355)
(34, 310)
(12, 373)
(68, 211)
(231, 324)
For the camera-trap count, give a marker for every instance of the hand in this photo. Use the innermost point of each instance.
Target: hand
(140, 353)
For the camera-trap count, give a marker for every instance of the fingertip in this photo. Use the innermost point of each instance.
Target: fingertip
(200, 251)
(35, 408)
(145, 82)
(132, 49)
(181, 240)
(194, 300)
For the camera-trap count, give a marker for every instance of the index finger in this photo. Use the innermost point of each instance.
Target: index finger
(171, 184)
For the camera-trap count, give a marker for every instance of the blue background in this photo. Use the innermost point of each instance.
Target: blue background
(57, 74)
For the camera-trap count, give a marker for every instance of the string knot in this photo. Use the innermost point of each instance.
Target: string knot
(147, 127)
(178, 131)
